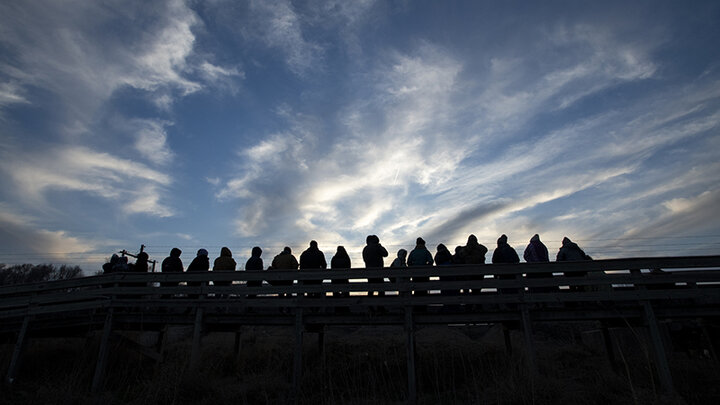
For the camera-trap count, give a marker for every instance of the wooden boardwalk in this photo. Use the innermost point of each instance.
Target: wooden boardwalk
(618, 290)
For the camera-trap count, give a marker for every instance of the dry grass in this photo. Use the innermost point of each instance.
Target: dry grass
(359, 366)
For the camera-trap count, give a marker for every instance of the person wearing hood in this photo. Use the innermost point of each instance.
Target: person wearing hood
(284, 261)
(536, 252)
(504, 253)
(254, 263)
(420, 256)
(223, 263)
(373, 254)
(341, 261)
(443, 257)
(399, 263)
(141, 263)
(313, 259)
(474, 253)
(172, 264)
(200, 264)
(570, 251)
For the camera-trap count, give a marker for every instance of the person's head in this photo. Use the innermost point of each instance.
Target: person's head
(566, 241)
(202, 252)
(441, 248)
(313, 244)
(458, 250)
(420, 242)
(225, 251)
(142, 256)
(502, 240)
(341, 250)
(535, 238)
(256, 251)
(175, 252)
(472, 240)
(287, 250)
(402, 254)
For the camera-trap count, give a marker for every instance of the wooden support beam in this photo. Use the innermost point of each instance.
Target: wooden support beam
(609, 349)
(661, 361)
(197, 334)
(236, 345)
(102, 353)
(17, 352)
(529, 342)
(508, 341)
(297, 359)
(410, 348)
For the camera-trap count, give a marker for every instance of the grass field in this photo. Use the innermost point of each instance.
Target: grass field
(363, 365)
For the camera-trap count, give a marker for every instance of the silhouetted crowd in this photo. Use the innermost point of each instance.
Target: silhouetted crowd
(373, 255)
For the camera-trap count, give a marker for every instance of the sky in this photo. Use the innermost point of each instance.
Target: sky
(202, 124)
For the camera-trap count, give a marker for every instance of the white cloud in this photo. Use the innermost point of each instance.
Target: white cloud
(278, 26)
(151, 140)
(84, 169)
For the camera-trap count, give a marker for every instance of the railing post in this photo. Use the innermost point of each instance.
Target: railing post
(102, 353)
(410, 348)
(197, 333)
(17, 352)
(297, 360)
(658, 348)
(529, 343)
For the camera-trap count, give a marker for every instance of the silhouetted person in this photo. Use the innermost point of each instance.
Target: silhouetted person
(141, 263)
(254, 264)
(373, 254)
(284, 261)
(536, 252)
(171, 264)
(312, 259)
(420, 256)
(400, 263)
(341, 261)
(400, 259)
(504, 253)
(569, 252)
(474, 253)
(200, 264)
(443, 257)
(224, 263)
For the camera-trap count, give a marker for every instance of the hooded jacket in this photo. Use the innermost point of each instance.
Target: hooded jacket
(443, 257)
(312, 258)
(504, 253)
(374, 252)
(400, 259)
(420, 256)
(341, 260)
(225, 262)
(172, 263)
(255, 263)
(473, 252)
(536, 251)
(285, 261)
(570, 251)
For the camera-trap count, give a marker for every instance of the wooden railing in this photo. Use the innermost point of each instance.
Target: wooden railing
(508, 293)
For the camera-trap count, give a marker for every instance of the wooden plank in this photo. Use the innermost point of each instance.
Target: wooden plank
(17, 351)
(102, 353)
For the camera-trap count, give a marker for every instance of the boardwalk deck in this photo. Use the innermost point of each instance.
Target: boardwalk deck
(614, 290)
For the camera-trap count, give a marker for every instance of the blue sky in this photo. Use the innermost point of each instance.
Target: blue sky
(270, 123)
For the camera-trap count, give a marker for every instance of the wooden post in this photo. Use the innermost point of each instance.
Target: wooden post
(661, 361)
(529, 343)
(410, 348)
(17, 352)
(609, 350)
(297, 360)
(195, 351)
(508, 341)
(236, 346)
(103, 353)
